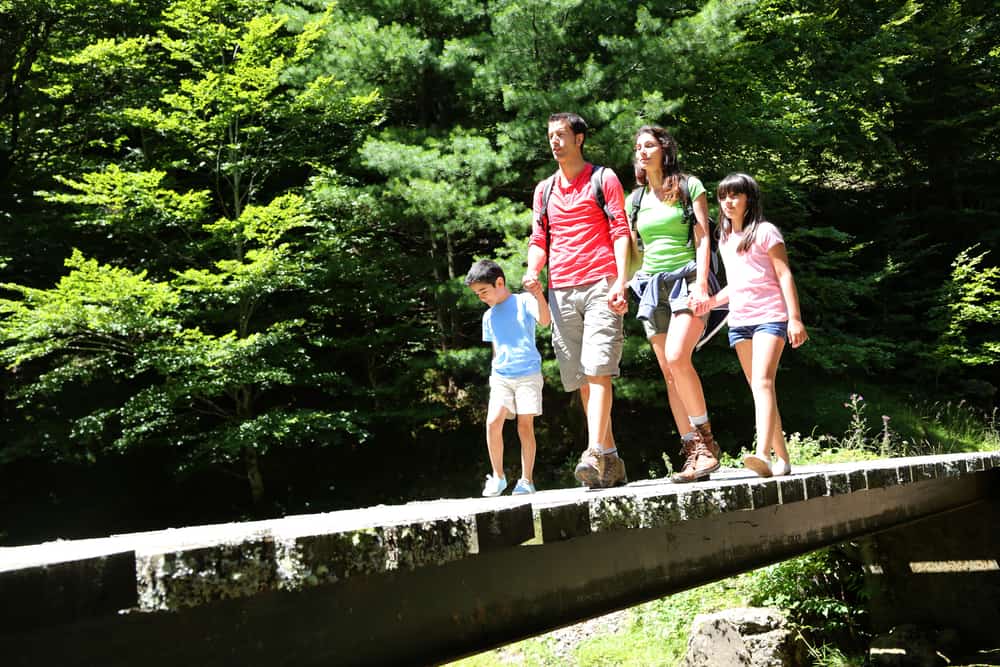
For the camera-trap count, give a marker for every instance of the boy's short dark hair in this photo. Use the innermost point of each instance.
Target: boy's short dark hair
(484, 271)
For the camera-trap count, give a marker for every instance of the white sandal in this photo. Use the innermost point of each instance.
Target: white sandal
(781, 467)
(758, 464)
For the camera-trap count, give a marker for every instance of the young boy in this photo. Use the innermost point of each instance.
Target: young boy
(516, 378)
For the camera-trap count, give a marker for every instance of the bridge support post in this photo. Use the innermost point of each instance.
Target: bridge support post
(939, 573)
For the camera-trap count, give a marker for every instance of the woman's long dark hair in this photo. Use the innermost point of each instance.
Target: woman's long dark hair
(671, 169)
(739, 183)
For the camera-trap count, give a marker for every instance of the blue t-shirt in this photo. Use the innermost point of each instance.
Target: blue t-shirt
(510, 325)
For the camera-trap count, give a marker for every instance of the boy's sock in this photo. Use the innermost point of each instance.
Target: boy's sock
(688, 437)
(699, 420)
(613, 450)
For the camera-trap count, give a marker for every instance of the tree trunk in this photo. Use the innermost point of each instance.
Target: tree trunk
(252, 465)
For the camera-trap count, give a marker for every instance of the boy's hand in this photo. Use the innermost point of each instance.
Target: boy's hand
(796, 332)
(530, 283)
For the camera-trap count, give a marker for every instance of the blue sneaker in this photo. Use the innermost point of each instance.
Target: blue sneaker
(494, 486)
(522, 487)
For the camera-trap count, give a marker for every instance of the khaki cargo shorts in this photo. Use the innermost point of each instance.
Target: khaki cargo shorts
(586, 335)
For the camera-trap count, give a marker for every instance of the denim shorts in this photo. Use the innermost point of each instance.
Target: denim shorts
(737, 334)
(664, 311)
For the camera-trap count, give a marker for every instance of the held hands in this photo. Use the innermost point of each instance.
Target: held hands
(530, 283)
(533, 287)
(699, 307)
(698, 300)
(796, 332)
(617, 301)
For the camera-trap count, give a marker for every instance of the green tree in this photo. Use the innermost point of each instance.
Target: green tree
(968, 314)
(212, 363)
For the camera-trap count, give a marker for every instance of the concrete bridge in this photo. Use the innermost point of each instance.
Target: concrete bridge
(427, 582)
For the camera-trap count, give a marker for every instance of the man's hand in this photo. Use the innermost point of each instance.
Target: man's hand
(617, 301)
(530, 283)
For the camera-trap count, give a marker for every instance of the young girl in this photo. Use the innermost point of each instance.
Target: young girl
(763, 309)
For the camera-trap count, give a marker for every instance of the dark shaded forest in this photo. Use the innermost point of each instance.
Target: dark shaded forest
(234, 233)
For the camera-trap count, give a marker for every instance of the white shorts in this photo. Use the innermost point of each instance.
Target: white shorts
(521, 396)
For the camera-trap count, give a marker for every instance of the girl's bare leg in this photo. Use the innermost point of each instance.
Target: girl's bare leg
(677, 409)
(683, 334)
(759, 360)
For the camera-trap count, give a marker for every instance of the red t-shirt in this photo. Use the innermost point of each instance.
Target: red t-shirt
(582, 237)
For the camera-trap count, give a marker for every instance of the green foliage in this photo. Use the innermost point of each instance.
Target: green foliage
(969, 313)
(291, 193)
(654, 633)
(823, 593)
(204, 356)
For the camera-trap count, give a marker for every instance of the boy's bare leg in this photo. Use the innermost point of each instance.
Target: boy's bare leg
(526, 432)
(494, 438)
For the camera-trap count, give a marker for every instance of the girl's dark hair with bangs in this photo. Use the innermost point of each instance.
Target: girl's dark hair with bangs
(740, 184)
(671, 169)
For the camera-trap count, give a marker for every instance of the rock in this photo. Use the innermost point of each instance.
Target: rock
(912, 646)
(751, 637)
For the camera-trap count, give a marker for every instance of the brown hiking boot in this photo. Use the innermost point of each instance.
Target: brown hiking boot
(597, 470)
(689, 450)
(708, 440)
(708, 450)
(702, 456)
(613, 473)
(588, 470)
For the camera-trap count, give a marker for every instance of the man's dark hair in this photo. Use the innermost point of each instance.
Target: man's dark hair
(576, 122)
(484, 271)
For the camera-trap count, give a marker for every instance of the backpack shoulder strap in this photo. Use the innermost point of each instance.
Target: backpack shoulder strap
(543, 216)
(597, 185)
(636, 200)
(686, 200)
(550, 183)
(633, 218)
(689, 218)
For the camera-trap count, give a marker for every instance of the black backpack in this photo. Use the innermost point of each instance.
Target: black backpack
(689, 219)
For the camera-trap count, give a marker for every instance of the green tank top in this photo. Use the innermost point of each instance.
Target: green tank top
(663, 232)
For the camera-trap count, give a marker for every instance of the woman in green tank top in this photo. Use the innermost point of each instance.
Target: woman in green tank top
(676, 271)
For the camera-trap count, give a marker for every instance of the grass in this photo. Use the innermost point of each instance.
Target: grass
(655, 634)
(657, 631)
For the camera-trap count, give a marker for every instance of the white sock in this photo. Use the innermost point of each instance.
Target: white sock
(688, 437)
(699, 420)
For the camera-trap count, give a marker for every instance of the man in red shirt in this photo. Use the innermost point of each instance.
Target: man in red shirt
(587, 250)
